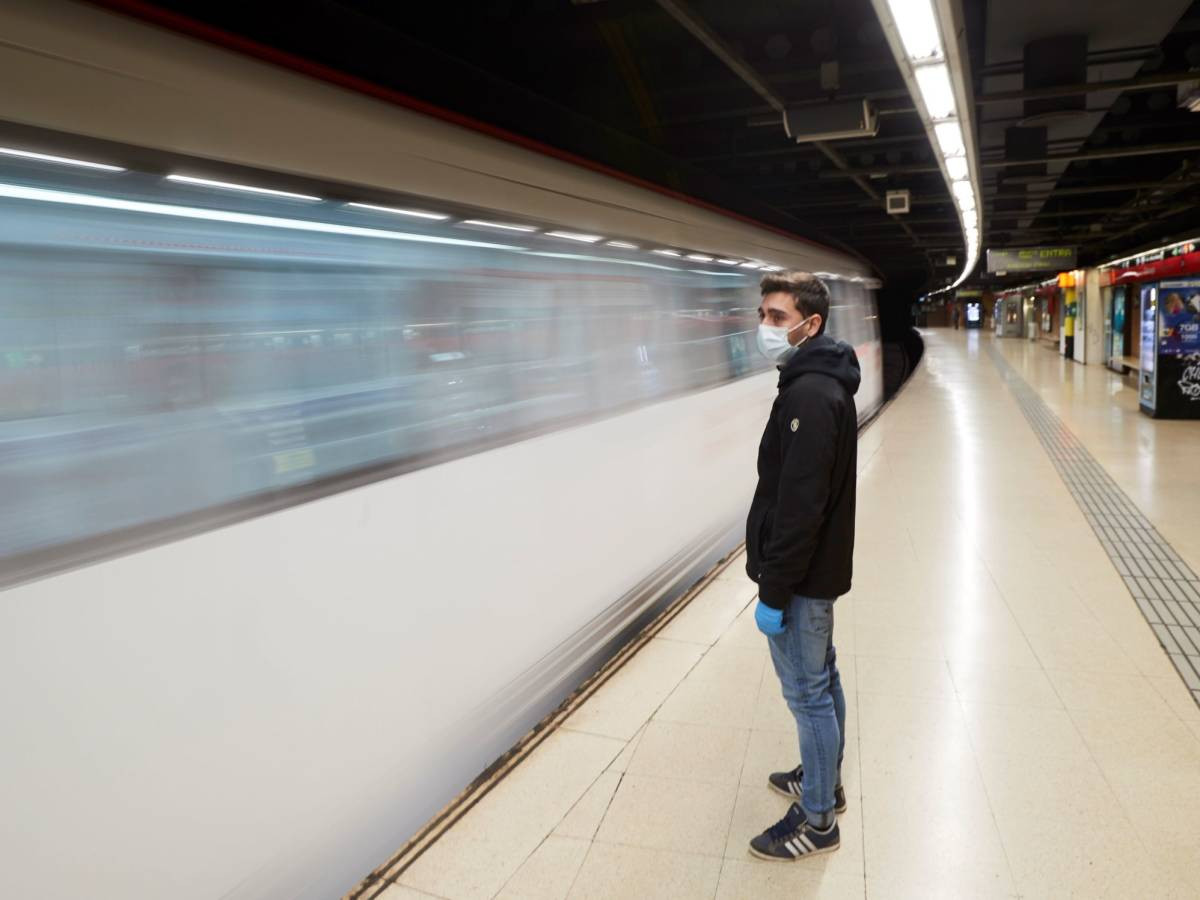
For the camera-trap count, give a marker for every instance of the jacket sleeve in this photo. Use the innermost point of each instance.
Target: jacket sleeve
(804, 484)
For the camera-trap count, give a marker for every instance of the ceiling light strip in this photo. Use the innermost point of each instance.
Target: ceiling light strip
(926, 37)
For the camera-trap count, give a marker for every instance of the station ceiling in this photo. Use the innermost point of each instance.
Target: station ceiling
(1083, 139)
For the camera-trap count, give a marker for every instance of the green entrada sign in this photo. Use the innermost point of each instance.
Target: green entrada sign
(1031, 259)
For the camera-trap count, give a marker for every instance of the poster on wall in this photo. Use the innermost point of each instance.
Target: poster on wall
(1171, 339)
(1149, 316)
(1179, 317)
(1118, 323)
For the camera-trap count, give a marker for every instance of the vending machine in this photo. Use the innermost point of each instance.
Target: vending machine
(1169, 380)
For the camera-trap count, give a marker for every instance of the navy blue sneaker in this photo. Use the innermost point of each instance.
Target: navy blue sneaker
(788, 784)
(793, 837)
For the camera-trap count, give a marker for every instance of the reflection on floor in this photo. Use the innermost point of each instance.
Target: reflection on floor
(1015, 727)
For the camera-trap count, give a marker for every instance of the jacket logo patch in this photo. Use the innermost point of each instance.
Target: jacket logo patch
(795, 424)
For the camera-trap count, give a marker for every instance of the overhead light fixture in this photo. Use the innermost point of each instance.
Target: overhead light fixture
(59, 160)
(729, 262)
(926, 39)
(624, 245)
(699, 257)
(413, 213)
(243, 188)
(933, 81)
(503, 226)
(950, 139)
(665, 252)
(750, 265)
(576, 236)
(918, 29)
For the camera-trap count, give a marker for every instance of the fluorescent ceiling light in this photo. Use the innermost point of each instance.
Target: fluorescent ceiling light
(665, 252)
(59, 160)
(245, 188)
(699, 257)
(415, 213)
(934, 84)
(501, 225)
(918, 29)
(962, 190)
(728, 262)
(950, 139)
(575, 236)
(624, 245)
(20, 192)
(957, 167)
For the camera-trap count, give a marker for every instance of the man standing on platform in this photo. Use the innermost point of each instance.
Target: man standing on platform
(799, 546)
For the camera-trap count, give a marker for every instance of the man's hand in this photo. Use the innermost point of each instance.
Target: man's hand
(768, 619)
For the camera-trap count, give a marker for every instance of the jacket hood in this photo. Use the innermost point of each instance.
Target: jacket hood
(825, 355)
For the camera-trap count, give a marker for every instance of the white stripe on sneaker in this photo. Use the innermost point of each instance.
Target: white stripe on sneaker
(791, 845)
(808, 844)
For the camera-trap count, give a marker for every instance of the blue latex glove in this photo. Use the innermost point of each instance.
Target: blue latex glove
(768, 619)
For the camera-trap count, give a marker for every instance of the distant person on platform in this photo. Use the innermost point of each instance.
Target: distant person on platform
(799, 547)
(954, 315)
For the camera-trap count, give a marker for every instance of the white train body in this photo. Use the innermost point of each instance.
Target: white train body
(312, 510)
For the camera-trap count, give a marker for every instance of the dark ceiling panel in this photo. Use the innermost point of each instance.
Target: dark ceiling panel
(685, 94)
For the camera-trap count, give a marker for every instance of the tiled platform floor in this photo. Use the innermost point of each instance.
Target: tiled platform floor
(1015, 729)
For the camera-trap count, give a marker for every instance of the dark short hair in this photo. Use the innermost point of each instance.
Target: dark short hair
(807, 291)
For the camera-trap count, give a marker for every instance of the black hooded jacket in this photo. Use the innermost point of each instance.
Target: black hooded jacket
(800, 531)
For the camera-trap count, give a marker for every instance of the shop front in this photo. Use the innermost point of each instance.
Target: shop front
(1122, 329)
(1167, 297)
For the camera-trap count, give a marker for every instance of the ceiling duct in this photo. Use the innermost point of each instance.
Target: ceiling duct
(1055, 62)
(1009, 204)
(1024, 143)
(1011, 198)
(831, 122)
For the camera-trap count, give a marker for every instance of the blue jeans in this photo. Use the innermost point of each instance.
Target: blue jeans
(806, 663)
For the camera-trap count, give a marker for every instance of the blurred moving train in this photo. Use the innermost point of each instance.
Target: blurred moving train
(337, 445)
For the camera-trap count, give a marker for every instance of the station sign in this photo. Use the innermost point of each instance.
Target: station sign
(1031, 259)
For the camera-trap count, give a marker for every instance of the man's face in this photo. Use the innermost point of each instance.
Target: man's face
(779, 310)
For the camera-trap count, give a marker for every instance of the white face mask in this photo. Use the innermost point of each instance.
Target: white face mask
(773, 341)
